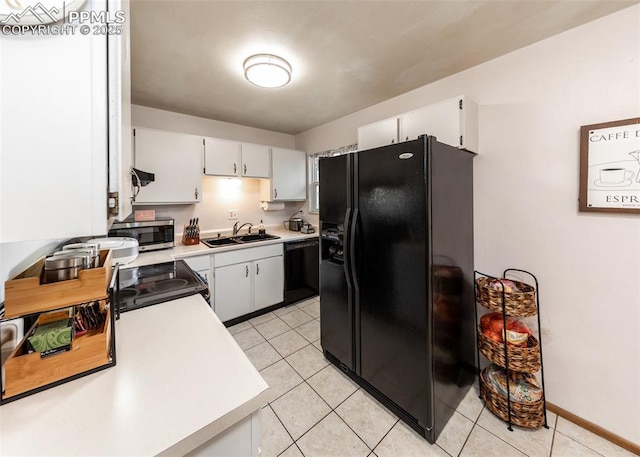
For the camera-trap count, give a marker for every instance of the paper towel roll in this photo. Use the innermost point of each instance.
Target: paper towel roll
(271, 206)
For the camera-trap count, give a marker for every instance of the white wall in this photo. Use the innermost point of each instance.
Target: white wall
(218, 194)
(532, 104)
(142, 116)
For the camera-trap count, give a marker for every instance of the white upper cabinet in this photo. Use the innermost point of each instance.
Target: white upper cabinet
(176, 161)
(381, 133)
(221, 157)
(120, 138)
(453, 121)
(255, 160)
(231, 158)
(288, 176)
(54, 135)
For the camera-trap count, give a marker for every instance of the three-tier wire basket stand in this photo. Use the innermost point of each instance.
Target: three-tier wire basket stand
(520, 362)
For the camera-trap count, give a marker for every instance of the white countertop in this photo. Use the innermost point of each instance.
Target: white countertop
(180, 379)
(181, 251)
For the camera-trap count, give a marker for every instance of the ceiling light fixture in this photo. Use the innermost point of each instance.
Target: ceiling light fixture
(267, 70)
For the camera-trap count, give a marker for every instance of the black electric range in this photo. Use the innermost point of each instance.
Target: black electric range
(152, 284)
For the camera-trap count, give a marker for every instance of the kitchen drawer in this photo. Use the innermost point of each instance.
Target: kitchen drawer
(247, 255)
(198, 263)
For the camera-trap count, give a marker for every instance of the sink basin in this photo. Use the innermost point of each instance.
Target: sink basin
(241, 239)
(213, 242)
(255, 237)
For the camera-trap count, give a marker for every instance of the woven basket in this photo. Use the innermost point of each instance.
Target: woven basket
(530, 415)
(522, 303)
(526, 359)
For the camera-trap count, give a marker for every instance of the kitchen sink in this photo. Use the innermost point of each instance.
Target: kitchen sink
(213, 242)
(240, 239)
(255, 237)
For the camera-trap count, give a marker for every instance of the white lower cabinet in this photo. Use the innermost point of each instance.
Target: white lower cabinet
(239, 440)
(247, 280)
(233, 291)
(268, 282)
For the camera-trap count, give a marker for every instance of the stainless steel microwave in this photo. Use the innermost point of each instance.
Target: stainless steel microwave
(151, 235)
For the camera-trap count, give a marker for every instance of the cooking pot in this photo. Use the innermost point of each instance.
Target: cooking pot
(65, 266)
(295, 224)
(76, 248)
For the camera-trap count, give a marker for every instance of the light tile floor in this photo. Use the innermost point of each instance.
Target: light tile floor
(319, 412)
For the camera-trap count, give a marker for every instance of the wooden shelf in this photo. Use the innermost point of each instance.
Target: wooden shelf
(25, 372)
(28, 294)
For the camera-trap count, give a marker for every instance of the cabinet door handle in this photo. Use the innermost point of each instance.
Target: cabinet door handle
(257, 269)
(196, 193)
(246, 273)
(275, 193)
(235, 168)
(245, 168)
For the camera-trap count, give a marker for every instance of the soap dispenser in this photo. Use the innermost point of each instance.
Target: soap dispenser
(261, 230)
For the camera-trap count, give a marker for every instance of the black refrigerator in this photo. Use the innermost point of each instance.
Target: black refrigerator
(396, 276)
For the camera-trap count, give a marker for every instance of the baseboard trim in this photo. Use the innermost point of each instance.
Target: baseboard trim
(607, 435)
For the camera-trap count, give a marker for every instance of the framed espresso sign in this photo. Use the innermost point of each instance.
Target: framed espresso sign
(610, 167)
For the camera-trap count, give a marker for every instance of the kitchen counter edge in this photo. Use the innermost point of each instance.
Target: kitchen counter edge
(130, 412)
(181, 251)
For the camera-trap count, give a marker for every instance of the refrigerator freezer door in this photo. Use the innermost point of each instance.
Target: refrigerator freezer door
(336, 335)
(336, 291)
(391, 248)
(335, 182)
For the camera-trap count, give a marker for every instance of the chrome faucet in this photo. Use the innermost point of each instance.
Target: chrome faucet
(236, 229)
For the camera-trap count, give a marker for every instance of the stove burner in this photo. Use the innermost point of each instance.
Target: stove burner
(151, 270)
(128, 293)
(152, 284)
(168, 284)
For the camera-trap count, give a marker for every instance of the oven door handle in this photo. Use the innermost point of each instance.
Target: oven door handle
(114, 289)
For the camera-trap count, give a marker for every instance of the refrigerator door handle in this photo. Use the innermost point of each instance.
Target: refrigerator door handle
(352, 249)
(345, 243)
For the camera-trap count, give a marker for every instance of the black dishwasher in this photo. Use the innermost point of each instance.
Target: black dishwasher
(301, 270)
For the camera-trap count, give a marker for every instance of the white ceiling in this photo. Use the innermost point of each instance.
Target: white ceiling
(346, 55)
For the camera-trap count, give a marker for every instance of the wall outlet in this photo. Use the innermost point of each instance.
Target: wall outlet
(233, 214)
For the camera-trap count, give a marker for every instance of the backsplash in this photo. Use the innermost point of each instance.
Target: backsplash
(219, 195)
